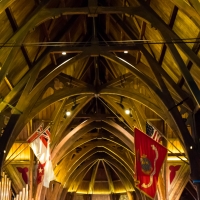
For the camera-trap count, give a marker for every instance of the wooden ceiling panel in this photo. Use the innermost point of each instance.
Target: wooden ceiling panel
(195, 74)
(18, 69)
(35, 36)
(22, 153)
(6, 30)
(118, 186)
(83, 187)
(195, 71)
(5, 89)
(73, 69)
(154, 36)
(185, 28)
(101, 187)
(171, 67)
(20, 14)
(163, 9)
(93, 149)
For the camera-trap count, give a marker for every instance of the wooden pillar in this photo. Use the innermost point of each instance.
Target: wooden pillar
(87, 196)
(114, 196)
(130, 195)
(64, 194)
(31, 166)
(195, 168)
(6, 137)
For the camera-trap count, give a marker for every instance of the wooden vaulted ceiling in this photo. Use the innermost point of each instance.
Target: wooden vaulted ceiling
(159, 74)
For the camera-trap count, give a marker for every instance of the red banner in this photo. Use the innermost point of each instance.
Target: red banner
(149, 159)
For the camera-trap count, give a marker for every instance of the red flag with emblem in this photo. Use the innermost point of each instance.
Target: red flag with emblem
(150, 156)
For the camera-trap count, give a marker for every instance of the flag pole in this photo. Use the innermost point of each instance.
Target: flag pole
(167, 140)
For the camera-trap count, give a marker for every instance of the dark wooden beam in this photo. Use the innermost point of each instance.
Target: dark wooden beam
(86, 116)
(114, 47)
(190, 188)
(171, 23)
(188, 10)
(195, 48)
(142, 33)
(15, 28)
(4, 4)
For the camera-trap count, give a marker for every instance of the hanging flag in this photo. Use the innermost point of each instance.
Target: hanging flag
(39, 142)
(40, 172)
(48, 169)
(150, 156)
(153, 133)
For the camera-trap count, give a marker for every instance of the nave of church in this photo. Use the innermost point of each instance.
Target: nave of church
(78, 79)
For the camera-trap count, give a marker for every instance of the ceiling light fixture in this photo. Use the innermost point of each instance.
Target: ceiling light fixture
(64, 53)
(127, 111)
(68, 113)
(126, 51)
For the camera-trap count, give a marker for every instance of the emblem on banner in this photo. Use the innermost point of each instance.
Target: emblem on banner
(146, 164)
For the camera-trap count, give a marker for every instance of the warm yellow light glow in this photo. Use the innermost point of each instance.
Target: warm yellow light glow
(174, 158)
(125, 51)
(68, 113)
(127, 111)
(64, 53)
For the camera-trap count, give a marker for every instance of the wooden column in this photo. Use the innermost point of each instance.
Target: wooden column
(195, 169)
(64, 194)
(130, 195)
(6, 137)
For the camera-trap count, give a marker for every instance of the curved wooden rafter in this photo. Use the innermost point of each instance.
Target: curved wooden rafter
(142, 99)
(168, 35)
(97, 136)
(26, 102)
(85, 127)
(78, 171)
(27, 115)
(125, 177)
(72, 163)
(139, 116)
(167, 102)
(116, 107)
(111, 158)
(155, 65)
(68, 120)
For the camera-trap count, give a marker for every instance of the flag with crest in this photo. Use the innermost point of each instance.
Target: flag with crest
(150, 156)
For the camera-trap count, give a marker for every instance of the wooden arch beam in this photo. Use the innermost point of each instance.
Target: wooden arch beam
(164, 114)
(27, 115)
(153, 63)
(89, 137)
(110, 157)
(95, 146)
(161, 96)
(85, 127)
(108, 175)
(71, 164)
(126, 179)
(78, 171)
(150, 15)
